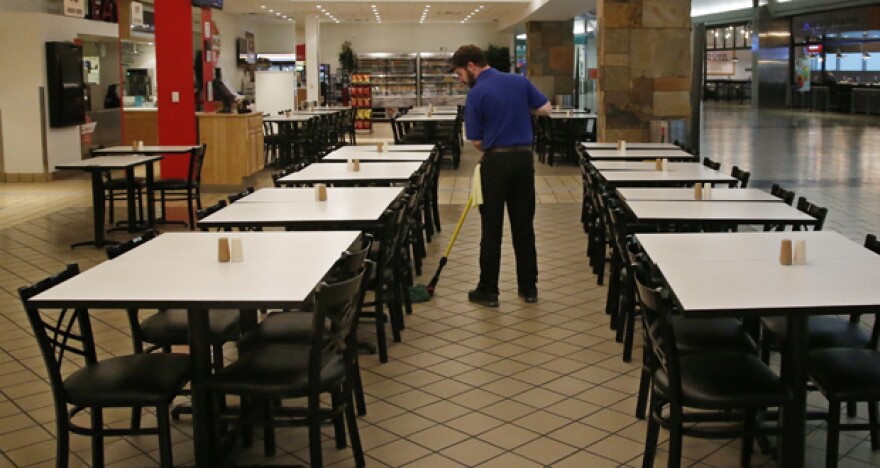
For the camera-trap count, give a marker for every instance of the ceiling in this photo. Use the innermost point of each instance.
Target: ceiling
(390, 11)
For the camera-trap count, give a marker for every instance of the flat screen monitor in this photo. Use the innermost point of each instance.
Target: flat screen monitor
(218, 4)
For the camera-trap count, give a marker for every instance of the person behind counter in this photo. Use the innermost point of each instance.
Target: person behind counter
(111, 100)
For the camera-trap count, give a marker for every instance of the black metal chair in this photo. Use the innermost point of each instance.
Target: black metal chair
(321, 365)
(138, 380)
(816, 211)
(787, 196)
(709, 163)
(706, 389)
(238, 196)
(741, 175)
(188, 189)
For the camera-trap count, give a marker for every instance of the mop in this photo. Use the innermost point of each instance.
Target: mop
(475, 198)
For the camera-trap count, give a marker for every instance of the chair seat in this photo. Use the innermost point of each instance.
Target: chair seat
(825, 331)
(122, 184)
(171, 326)
(138, 379)
(846, 374)
(725, 380)
(275, 370)
(278, 327)
(171, 184)
(705, 335)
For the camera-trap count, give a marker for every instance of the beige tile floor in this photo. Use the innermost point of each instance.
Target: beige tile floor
(522, 385)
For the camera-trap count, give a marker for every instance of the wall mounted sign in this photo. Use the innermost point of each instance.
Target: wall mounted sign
(137, 14)
(75, 8)
(720, 63)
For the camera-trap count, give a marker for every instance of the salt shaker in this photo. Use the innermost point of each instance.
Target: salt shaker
(800, 252)
(707, 192)
(237, 254)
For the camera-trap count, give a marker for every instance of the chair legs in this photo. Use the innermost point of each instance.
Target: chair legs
(833, 430)
(164, 428)
(652, 435)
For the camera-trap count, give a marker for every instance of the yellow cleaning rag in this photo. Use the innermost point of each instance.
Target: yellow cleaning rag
(477, 187)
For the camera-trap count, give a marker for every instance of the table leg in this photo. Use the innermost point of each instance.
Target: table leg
(151, 207)
(794, 374)
(205, 436)
(97, 213)
(130, 200)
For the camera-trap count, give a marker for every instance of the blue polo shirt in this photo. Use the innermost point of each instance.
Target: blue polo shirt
(497, 109)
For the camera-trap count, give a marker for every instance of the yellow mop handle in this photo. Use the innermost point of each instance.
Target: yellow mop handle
(464, 214)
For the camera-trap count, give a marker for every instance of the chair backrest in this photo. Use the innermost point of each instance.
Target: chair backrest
(816, 211)
(238, 196)
(336, 308)
(872, 244)
(114, 251)
(786, 195)
(59, 334)
(196, 161)
(741, 175)
(710, 163)
(658, 327)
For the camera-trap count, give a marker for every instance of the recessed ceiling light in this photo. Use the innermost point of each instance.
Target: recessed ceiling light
(289, 19)
(271, 11)
(263, 6)
(277, 14)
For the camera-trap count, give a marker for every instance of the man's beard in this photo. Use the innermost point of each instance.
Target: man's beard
(472, 80)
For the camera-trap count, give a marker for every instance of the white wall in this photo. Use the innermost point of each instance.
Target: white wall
(22, 48)
(232, 27)
(398, 38)
(274, 91)
(276, 38)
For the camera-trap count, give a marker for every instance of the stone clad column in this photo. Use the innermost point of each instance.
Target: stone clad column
(550, 57)
(644, 54)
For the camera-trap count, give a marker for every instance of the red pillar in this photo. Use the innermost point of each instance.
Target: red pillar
(174, 80)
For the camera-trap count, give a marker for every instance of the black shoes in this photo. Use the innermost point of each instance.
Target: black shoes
(485, 298)
(530, 296)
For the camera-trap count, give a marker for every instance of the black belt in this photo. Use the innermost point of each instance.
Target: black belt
(509, 149)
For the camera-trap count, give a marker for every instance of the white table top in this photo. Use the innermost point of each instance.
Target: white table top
(335, 173)
(639, 154)
(711, 247)
(146, 149)
(290, 215)
(716, 284)
(371, 155)
(719, 194)
(292, 118)
(698, 173)
(422, 111)
(109, 162)
(612, 145)
(640, 165)
(391, 148)
(257, 246)
(325, 111)
(717, 212)
(425, 118)
(381, 196)
(188, 282)
(574, 115)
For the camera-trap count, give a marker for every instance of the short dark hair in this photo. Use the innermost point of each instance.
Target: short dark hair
(465, 54)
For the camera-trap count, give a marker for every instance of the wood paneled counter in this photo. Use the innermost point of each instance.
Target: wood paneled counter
(235, 147)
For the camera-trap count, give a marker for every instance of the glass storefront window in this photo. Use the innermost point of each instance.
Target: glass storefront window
(850, 62)
(710, 38)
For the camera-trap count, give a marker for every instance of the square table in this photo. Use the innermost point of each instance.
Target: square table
(288, 128)
(713, 214)
(720, 194)
(358, 208)
(574, 115)
(693, 174)
(370, 154)
(96, 167)
(739, 275)
(631, 154)
(430, 123)
(612, 145)
(338, 174)
(158, 275)
(148, 150)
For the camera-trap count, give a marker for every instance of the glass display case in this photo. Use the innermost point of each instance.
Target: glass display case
(436, 85)
(393, 78)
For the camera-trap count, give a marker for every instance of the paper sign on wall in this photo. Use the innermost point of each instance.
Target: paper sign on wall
(137, 14)
(75, 8)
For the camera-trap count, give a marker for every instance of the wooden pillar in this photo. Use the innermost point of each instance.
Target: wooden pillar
(174, 80)
(644, 65)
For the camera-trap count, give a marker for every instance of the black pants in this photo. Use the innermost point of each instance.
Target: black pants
(508, 178)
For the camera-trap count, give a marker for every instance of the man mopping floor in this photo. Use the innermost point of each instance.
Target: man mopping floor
(498, 113)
